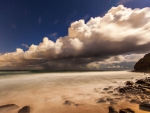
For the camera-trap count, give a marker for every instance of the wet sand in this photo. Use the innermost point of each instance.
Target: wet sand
(47, 92)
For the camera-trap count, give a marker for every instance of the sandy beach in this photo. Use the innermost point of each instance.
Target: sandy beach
(46, 92)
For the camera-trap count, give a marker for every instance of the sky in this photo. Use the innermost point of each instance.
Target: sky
(73, 34)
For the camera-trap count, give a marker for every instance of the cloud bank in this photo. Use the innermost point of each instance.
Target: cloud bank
(121, 31)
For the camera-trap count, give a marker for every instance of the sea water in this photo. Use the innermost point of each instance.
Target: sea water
(45, 92)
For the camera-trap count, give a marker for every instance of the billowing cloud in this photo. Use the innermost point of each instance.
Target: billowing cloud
(121, 31)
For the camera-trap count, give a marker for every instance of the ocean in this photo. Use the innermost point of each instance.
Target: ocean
(46, 92)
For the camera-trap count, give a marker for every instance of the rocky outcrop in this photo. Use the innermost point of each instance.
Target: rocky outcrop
(143, 65)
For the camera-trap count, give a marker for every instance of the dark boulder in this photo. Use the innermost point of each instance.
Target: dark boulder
(141, 81)
(127, 110)
(25, 109)
(145, 106)
(8, 106)
(109, 99)
(129, 83)
(101, 100)
(135, 101)
(122, 90)
(106, 89)
(112, 109)
(68, 102)
(113, 102)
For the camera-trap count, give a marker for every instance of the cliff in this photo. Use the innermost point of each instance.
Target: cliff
(143, 65)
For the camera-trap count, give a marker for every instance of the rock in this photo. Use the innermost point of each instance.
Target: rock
(112, 109)
(143, 65)
(140, 82)
(101, 100)
(110, 87)
(145, 90)
(128, 97)
(118, 98)
(25, 109)
(110, 92)
(96, 90)
(143, 96)
(106, 89)
(109, 99)
(136, 101)
(113, 102)
(127, 110)
(145, 106)
(122, 90)
(8, 106)
(68, 102)
(114, 81)
(115, 94)
(121, 94)
(129, 83)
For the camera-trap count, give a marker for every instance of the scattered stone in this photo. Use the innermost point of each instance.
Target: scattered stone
(115, 94)
(25, 109)
(8, 106)
(127, 110)
(106, 89)
(101, 100)
(141, 81)
(135, 101)
(112, 109)
(146, 90)
(121, 94)
(109, 99)
(122, 90)
(129, 83)
(95, 90)
(113, 102)
(128, 97)
(110, 92)
(145, 106)
(110, 87)
(114, 82)
(118, 98)
(68, 102)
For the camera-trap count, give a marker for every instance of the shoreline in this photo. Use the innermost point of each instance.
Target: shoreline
(47, 92)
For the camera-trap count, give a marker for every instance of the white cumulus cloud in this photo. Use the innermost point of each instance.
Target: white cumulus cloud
(120, 31)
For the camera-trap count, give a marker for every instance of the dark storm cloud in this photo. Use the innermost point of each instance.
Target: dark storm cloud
(100, 41)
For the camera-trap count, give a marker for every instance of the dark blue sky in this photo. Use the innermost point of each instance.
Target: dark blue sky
(28, 21)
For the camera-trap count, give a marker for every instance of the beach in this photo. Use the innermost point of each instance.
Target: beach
(47, 92)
